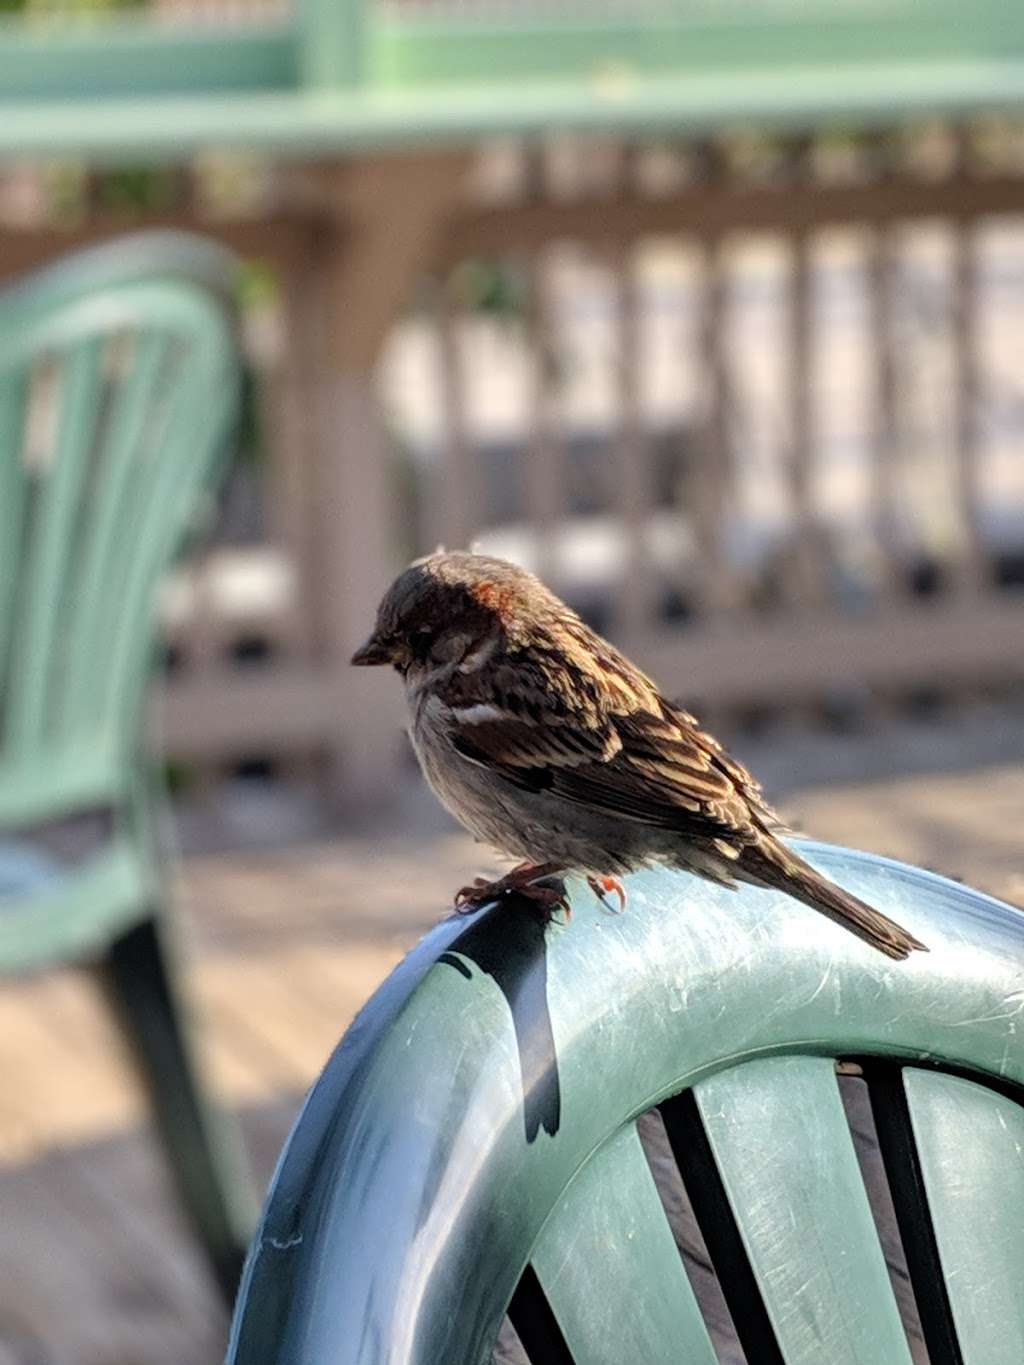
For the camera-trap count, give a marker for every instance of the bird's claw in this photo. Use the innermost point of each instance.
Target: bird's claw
(471, 897)
(546, 891)
(601, 886)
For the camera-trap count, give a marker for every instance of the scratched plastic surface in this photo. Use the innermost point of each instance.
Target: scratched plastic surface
(784, 1149)
(447, 1142)
(971, 1142)
(637, 1300)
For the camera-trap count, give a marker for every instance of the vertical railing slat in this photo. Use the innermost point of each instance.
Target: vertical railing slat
(457, 510)
(545, 492)
(712, 476)
(885, 433)
(332, 39)
(288, 406)
(805, 586)
(970, 570)
(110, 519)
(13, 501)
(58, 508)
(632, 474)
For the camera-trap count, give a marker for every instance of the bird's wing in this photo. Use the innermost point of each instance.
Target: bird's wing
(600, 735)
(526, 717)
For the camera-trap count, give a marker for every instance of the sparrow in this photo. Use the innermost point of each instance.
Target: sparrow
(546, 742)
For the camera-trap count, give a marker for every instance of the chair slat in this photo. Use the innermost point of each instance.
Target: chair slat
(970, 1142)
(112, 519)
(783, 1146)
(610, 1269)
(194, 424)
(12, 503)
(52, 540)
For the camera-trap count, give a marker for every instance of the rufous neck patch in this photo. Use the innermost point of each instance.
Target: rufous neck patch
(497, 597)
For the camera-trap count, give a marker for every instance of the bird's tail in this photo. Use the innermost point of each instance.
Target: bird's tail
(772, 864)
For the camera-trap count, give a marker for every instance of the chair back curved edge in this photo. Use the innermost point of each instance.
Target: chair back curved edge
(499, 1057)
(119, 396)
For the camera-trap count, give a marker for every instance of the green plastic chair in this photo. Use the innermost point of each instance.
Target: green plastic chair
(471, 1148)
(119, 386)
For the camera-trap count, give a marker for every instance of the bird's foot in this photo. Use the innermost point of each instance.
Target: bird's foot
(538, 883)
(602, 886)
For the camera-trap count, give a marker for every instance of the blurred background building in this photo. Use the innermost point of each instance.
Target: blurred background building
(711, 312)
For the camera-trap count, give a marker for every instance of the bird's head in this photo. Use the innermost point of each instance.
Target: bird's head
(452, 610)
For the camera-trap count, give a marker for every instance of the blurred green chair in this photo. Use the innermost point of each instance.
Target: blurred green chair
(119, 392)
(471, 1148)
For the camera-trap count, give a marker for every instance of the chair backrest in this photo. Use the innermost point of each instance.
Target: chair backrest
(119, 382)
(472, 1147)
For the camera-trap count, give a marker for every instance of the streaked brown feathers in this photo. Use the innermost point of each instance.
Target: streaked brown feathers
(547, 741)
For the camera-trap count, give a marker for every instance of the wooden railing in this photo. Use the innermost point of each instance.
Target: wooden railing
(760, 422)
(206, 46)
(765, 506)
(865, 556)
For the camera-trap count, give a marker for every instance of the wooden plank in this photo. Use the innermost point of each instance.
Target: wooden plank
(632, 466)
(390, 215)
(885, 453)
(688, 1238)
(122, 1190)
(457, 509)
(806, 584)
(708, 210)
(276, 237)
(287, 706)
(271, 1026)
(287, 392)
(544, 464)
(712, 476)
(66, 1072)
(857, 1104)
(785, 660)
(279, 707)
(93, 1230)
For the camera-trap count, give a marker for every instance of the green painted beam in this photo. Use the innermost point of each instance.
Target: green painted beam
(331, 43)
(129, 55)
(350, 122)
(420, 48)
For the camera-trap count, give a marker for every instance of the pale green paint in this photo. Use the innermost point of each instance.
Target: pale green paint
(129, 55)
(341, 77)
(144, 368)
(971, 1144)
(726, 39)
(310, 125)
(450, 1135)
(67, 920)
(332, 43)
(609, 1231)
(783, 1147)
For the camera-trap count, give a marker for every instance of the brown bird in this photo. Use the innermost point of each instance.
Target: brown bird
(546, 742)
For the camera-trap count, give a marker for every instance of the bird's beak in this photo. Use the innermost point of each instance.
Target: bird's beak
(374, 652)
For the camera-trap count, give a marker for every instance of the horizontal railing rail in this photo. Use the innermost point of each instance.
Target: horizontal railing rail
(388, 47)
(137, 55)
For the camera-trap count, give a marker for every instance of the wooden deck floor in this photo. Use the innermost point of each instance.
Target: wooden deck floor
(95, 1265)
